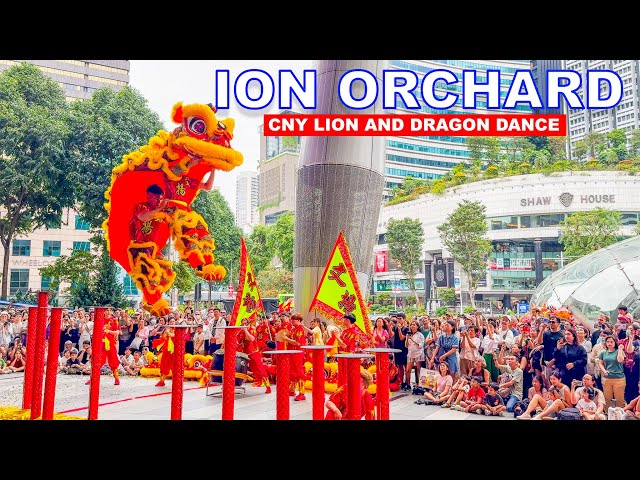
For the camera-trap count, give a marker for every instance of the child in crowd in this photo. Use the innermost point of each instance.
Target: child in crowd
(473, 402)
(586, 405)
(493, 403)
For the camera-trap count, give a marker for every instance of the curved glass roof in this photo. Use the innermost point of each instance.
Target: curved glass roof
(598, 282)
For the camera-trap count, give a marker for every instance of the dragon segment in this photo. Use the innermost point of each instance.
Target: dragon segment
(150, 198)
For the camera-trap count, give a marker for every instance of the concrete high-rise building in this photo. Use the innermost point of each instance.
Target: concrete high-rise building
(430, 157)
(247, 201)
(625, 116)
(279, 159)
(539, 69)
(80, 78)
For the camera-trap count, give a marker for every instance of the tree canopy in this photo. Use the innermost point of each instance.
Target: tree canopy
(586, 232)
(405, 239)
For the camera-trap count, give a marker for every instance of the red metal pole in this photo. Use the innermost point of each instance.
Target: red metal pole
(382, 385)
(282, 387)
(27, 389)
(177, 374)
(52, 364)
(229, 372)
(353, 388)
(38, 364)
(318, 384)
(342, 371)
(96, 362)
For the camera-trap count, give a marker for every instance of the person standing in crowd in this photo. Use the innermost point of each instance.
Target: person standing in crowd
(549, 338)
(447, 348)
(415, 352)
(600, 325)
(595, 353)
(126, 327)
(631, 344)
(585, 342)
(380, 334)
(398, 338)
(611, 363)
(85, 327)
(569, 357)
(489, 346)
(469, 345)
(217, 330)
(505, 333)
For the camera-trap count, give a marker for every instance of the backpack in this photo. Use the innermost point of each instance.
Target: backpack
(569, 414)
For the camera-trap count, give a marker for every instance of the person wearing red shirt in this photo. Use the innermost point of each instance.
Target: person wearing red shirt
(298, 338)
(338, 403)
(350, 335)
(249, 345)
(110, 344)
(474, 399)
(166, 347)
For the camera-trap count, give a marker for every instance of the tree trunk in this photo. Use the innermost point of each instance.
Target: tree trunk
(415, 293)
(472, 295)
(210, 287)
(5, 268)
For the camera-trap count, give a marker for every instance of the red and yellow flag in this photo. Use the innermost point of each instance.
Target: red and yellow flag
(338, 292)
(248, 302)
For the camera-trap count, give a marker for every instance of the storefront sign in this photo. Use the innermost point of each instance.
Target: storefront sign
(566, 199)
(381, 261)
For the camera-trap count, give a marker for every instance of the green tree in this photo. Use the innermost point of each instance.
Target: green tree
(464, 235)
(634, 143)
(476, 147)
(586, 232)
(105, 287)
(595, 143)
(405, 239)
(258, 248)
(186, 278)
(447, 294)
(33, 156)
(215, 210)
(384, 299)
(74, 269)
(557, 148)
(280, 239)
(274, 281)
(104, 128)
(80, 295)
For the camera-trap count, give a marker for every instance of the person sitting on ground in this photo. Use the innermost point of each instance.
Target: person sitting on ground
(86, 368)
(589, 382)
(133, 368)
(18, 363)
(480, 372)
(559, 399)
(74, 367)
(632, 409)
(586, 405)
(458, 391)
(493, 403)
(62, 361)
(126, 359)
(443, 386)
(473, 400)
(83, 355)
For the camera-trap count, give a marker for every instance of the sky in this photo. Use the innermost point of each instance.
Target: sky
(166, 82)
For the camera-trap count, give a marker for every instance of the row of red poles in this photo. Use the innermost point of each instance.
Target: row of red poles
(348, 370)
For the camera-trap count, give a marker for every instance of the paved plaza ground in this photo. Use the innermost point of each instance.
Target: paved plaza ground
(137, 398)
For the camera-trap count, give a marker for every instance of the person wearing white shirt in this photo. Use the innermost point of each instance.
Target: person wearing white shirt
(505, 333)
(489, 346)
(217, 338)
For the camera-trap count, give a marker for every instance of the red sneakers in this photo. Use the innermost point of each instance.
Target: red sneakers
(117, 382)
(268, 390)
(292, 394)
(300, 397)
(160, 384)
(88, 382)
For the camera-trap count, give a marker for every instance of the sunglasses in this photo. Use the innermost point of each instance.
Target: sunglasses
(552, 321)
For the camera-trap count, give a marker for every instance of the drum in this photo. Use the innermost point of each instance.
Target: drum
(242, 365)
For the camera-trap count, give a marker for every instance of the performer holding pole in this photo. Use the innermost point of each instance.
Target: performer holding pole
(167, 347)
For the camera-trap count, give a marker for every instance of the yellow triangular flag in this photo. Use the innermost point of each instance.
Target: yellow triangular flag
(338, 292)
(248, 302)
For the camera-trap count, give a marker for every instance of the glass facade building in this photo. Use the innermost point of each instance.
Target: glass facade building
(595, 283)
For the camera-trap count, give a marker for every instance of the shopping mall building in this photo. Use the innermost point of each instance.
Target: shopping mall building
(523, 217)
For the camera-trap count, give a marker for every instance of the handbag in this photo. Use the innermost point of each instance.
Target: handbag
(135, 344)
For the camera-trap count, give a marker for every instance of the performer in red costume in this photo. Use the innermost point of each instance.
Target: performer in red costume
(264, 332)
(298, 338)
(350, 335)
(248, 344)
(110, 344)
(337, 403)
(166, 347)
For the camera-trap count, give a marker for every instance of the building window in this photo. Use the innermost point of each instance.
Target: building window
(44, 285)
(129, 286)
(19, 281)
(83, 246)
(51, 248)
(81, 223)
(21, 248)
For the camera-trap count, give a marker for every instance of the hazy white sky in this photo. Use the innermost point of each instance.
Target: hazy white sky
(165, 82)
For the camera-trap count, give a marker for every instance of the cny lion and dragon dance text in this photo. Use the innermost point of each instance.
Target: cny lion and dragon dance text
(150, 196)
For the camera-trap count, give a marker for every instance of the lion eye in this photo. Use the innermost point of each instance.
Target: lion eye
(222, 126)
(196, 126)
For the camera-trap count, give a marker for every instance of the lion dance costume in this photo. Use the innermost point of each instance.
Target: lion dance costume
(172, 165)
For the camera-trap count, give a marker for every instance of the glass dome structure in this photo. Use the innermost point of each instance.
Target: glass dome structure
(596, 283)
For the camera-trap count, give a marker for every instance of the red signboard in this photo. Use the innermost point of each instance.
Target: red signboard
(381, 261)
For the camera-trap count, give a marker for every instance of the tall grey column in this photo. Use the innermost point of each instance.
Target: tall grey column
(450, 272)
(537, 243)
(427, 280)
(339, 186)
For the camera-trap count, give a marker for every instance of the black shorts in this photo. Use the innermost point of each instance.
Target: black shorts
(400, 359)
